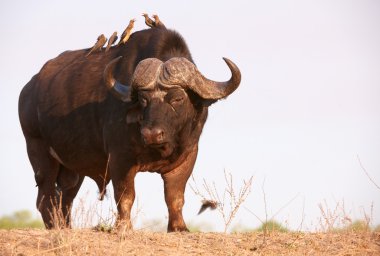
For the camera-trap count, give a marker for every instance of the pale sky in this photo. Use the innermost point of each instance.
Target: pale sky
(308, 104)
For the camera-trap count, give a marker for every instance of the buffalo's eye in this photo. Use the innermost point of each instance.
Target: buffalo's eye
(176, 100)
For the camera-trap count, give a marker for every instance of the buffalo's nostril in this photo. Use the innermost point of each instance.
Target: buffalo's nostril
(152, 136)
(158, 134)
(145, 134)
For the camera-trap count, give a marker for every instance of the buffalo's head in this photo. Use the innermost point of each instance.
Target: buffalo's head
(169, 94)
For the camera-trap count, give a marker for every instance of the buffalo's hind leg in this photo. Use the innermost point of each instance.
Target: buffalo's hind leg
(68, 184)
(45, 171)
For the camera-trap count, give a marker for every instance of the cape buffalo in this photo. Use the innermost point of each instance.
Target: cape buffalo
(139, 107)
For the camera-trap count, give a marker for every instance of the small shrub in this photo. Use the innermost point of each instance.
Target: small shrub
(241, 229)
(272, 225)
(20, 219)
(103, 227)
(199, 227)
(358, 225)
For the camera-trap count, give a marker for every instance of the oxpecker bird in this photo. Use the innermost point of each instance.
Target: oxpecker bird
(111, 41)
(99, 44)
(148, 21)
(208, 204)
(127, 32)
(157, 22)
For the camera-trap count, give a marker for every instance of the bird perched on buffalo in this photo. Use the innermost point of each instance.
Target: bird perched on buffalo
(127, 32)
(98, 45)
(157, 22)
(148, 21)
(112, 40)
(208, 204)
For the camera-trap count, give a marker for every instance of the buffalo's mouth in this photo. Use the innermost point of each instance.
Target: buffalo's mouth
(165, 148)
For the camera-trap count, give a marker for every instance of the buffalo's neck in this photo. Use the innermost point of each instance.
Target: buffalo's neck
(163, 166)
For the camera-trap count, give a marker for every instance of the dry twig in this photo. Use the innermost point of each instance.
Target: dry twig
(365, 171)
(234, 200)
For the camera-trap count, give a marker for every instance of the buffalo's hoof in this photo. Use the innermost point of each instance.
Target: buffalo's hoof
(123, 229)
(178, 229)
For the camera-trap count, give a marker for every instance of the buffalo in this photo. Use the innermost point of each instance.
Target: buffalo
(139, 107)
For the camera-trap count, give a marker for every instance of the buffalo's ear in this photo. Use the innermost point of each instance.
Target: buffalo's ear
(134, 115)
(198, 101)
(207, 103)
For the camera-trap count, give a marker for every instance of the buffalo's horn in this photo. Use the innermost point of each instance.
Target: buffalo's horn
(218, 90)
(146, 73)
(182, 72)
(121, 91)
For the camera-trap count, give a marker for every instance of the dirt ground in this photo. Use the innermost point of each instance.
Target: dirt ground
(90, 242)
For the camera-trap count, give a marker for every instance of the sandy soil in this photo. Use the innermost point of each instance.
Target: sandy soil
(90, 242)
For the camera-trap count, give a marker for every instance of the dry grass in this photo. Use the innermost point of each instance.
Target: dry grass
(338, 234)
(90, 242)
(227, 205)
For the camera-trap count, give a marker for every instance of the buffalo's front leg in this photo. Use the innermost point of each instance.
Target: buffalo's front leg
(124, 192)
(174, 187)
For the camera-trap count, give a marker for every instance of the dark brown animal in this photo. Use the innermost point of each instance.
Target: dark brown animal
(109, 117)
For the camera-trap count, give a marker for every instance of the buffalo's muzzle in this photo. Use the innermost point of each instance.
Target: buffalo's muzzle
(153, 136)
